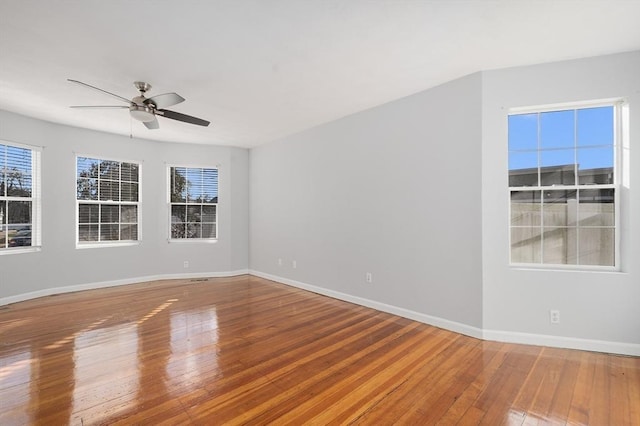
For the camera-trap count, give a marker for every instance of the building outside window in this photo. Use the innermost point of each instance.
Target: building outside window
(193, 203)
(19, 197)
(562, 183)
(108, 208)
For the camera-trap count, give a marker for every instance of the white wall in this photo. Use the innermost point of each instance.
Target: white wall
(593, 306)
(394, 191)
(415, 191)
(59, 265)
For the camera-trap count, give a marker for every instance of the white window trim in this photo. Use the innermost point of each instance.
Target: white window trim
(620, 134)
(102, 244)
(170, 240)
(36, 200)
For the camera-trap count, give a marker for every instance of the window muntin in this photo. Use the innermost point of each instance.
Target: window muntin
(562, 183)
(19, 197)
(107, 194)
(193, 203)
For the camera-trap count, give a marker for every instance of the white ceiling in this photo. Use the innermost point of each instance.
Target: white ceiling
(262, 69)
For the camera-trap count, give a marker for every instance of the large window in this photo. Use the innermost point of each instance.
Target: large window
(562, 183)
(193, 199)
(108, 201)
(19, 197)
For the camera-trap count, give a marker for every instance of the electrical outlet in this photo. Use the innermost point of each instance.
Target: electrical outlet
(554, 316)
(294, 264)
(279, 261)
(185, 264)
(368, 277)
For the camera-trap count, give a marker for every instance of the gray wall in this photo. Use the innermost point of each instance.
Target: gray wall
(59, 264)
(394, 191)
(593, 305)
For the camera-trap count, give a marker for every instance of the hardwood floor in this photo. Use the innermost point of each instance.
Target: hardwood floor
(245, 350)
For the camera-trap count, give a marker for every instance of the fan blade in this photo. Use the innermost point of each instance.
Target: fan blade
(99, 106)
(100, 90)
(152, 124)
(164, 100)
(182, 117)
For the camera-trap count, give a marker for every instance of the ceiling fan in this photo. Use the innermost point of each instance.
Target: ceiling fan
(146, 109)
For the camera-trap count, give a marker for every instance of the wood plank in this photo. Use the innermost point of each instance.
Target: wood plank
(245, 350)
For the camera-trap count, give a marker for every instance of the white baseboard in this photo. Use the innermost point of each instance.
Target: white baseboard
(621, 348)
(113, 283)
(379, 306)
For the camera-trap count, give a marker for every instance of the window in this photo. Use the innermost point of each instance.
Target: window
(108, 201)
(193, 199)
(19, 197)
(562, 183)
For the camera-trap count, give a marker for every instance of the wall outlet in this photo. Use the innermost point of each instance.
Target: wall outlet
(279, 261)
(294, 264)
(185, 264)
(554, 316)
(368, 277)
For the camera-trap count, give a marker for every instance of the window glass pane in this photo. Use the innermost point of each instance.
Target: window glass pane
(559, 246)
(88, 167)
(525, 208)
(210, 185)
(557, 129)
(596, 207)
(109, 232)
(525, 245)
(3, 167)
(595, 165)
(3, 212)
(195, 185)
(18, 172)
(88, 213)
(129, 214)
(595, 126)
(87, 189)
(109, 213)
(560, 208)
(194, 230)
(523, 169)
(129, 232)
(523, 132)
(178, 230)
(109, 170)
(109, 190)
(19, 212)
(88, 232)
(208, 213)
(129, 192)
(178, 184)
(597, 246)
(208, 230)
(19, 236)
(178, 214)
(194, 214)
(558, 167)
(129, 172)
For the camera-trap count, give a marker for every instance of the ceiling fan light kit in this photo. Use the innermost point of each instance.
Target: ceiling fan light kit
(146, 109)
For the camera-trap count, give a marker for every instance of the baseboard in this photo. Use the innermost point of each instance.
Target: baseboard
(465, 329)
(605, 346)
(113, 283)
(494, 335)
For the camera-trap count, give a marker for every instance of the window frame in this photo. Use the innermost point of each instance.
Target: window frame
(185, 240)
(619, 126)
(35, 199)
(138, 204)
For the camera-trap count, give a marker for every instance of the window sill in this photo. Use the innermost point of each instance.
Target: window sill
(20, 250)
(192, 240)
(107, 244)
(563, 268)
